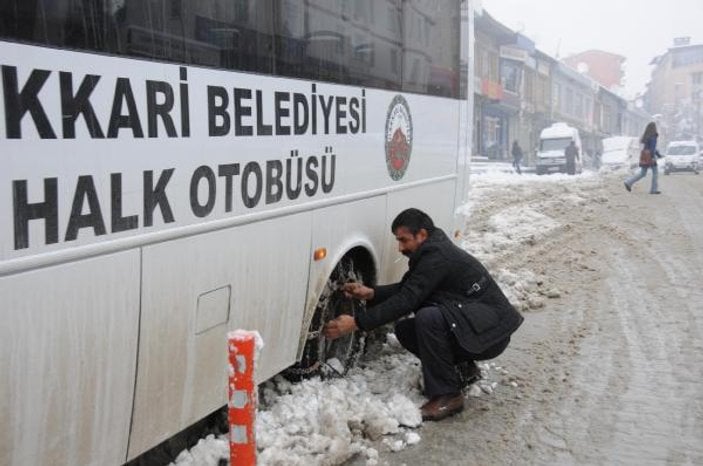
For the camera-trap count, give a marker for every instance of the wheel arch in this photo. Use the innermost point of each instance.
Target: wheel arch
(365, 261)
(364, 256)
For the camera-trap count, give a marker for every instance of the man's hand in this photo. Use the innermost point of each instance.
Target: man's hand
(357, 290)
(339, 327)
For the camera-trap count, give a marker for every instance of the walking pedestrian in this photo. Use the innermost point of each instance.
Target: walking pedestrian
(648, 159)
(517, 157)
(460, 313)
(572, 155)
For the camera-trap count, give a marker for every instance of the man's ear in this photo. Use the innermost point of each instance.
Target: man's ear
(422, 235)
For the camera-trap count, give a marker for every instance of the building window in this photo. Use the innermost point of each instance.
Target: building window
(688, 56)
(176, 9)
(697, 79)
(569, 110)
(545, 92)
(529, 87)
(494, 67)
(579, 106)
(510, 76)
(361, 12)
(395, 66)
(608, 119)
(589, 109)
(557, 96)
(485, 65)
(393, 20)
(241, 10)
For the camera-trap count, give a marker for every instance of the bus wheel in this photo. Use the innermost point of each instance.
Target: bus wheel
(322, 357)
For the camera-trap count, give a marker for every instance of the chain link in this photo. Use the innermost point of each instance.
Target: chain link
(327, 308)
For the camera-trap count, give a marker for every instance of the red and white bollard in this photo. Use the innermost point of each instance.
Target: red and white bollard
(243, 348)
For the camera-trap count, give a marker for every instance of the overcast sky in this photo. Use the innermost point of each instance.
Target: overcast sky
(636, 29)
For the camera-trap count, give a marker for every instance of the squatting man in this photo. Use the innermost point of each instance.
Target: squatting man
(460, 313)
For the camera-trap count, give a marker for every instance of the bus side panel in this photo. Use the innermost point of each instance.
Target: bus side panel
(435, 199)
(68, 345)
(435, 153)
(196, 289)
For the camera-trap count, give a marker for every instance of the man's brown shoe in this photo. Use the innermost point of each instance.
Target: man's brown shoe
(442, 406)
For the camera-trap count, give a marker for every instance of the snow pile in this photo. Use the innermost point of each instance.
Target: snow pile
(209, 451)
(321, 422)
(523, 288)
(508, 226)
(329, 421)
(326, 422)
(507, 214)
(503, 178)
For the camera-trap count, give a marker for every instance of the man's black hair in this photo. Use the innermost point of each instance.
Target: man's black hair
(414, 220)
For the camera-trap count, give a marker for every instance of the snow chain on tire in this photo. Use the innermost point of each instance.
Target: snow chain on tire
(327, 309)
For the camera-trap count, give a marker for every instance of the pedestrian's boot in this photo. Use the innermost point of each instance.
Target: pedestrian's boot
(468, 373)
(442, 406)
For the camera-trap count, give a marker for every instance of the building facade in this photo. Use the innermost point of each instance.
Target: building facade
(675, 92)
(604, 67)
(492, 114)
(520, 90)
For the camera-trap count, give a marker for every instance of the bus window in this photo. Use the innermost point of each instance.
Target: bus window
(395, 45)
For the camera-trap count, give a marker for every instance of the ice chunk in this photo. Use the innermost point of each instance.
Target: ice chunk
(335, 364)
(475, 390)
(411, 438)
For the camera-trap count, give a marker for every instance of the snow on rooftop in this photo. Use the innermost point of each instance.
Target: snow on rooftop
(682, 143)
(558, 130)
(616, 143)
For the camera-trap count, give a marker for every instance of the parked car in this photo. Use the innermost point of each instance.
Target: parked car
(620, 152)
(682, 156)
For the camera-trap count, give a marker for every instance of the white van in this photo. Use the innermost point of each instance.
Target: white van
(553, 140)
(681, 156)
(620, 152)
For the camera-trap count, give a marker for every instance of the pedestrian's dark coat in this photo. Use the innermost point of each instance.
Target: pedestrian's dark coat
(517, 152)
(651, 145)
(440, 273)
(571, 153)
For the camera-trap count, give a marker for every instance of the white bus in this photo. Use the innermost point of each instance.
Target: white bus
(173, 170)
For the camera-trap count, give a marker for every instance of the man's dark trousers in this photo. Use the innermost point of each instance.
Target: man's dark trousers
(427, 335)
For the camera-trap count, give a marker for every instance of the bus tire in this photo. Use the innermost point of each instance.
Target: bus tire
(331, 358)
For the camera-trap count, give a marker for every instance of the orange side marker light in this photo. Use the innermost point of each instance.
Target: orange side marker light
(319, 254)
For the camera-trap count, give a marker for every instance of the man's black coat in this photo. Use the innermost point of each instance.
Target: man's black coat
(441, 274)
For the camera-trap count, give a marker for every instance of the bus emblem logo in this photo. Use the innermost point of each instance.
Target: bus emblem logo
(399, 137)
